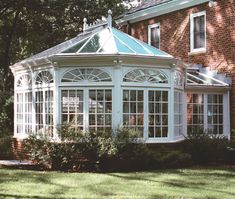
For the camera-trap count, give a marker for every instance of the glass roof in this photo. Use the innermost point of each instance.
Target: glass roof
(113, 41)
(196, 78)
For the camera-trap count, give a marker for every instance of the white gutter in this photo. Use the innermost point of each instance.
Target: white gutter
(158, 10)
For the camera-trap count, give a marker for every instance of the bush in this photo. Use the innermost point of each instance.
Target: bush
(175, 159)
(206, 148)
(6, 147)
(108, 151)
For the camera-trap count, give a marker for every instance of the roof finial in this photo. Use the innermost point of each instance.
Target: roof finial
(109, 18)
(84, 24)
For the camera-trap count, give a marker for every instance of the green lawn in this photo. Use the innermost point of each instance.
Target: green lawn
(179, 183)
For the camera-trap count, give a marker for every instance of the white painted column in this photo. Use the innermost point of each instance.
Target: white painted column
(86, 109)
(33, 103)
(226, 114)
(185, 114)
(146, 113)
(205, 110)
(171, 122)
(56, 103)
(15, 108)
(117, 97)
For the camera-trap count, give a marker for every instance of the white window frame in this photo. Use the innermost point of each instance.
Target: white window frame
(178, 103)
(85, 113)
(226, 120)
(149, 33)
(146, 90)
(192, 16)
(43, 87)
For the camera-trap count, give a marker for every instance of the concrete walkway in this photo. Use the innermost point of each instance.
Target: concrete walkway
(15, 163)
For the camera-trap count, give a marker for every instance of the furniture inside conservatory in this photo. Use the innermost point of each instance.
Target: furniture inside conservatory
(104, 79)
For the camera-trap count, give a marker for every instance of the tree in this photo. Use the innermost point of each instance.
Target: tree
(30, 26)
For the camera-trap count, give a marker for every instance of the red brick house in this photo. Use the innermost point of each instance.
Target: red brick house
(195, 31)
(104, 79)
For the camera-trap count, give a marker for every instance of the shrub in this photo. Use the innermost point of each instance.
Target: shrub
(206, 148)
(175, 159)
(108, 151)
(6, 147)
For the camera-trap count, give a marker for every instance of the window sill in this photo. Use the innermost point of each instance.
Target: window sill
(197, 52)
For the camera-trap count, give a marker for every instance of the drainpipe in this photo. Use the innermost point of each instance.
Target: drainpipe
(128, 28)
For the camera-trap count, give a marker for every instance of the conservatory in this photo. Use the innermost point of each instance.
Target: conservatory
(104, 79)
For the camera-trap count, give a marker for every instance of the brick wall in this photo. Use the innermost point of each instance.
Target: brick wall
(220, 30)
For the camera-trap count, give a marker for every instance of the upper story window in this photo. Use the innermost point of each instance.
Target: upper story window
(154, 35)
(198, 31)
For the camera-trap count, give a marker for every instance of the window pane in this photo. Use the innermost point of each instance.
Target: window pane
(100, 109)
(195, 112)
(158, 114)
(72, 108)
(199, 32)
(155, 36)
(133, 109)
(215, 113)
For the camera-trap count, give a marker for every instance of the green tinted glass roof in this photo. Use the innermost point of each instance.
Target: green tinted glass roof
(112, 41)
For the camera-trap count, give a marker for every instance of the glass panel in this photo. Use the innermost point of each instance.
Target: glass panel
(154, 50)
(122, 47)
(158, 113)
(215, 113)
(195, 112)
(44, 77)
(133, 109)
(199, 32)
(100, 118)
(24, 81)
(72, 108)
(92, 46)
(92, 75)
(155, 36)
(76, 47)
(96, 42)
(145, 75)
(130, 41)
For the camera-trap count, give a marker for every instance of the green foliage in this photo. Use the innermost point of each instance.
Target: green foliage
(5, 147)
(206, 148)
(121, 150)
(29, 27)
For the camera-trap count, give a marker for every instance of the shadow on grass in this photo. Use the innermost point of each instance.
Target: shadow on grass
(6, 196)
(34, 178)
(200, 180)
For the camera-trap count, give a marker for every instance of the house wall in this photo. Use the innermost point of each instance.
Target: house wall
(175, 38)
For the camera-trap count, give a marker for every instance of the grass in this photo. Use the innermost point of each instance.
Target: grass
(178, 183)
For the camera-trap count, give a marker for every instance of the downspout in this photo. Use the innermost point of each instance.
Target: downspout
(128, 28)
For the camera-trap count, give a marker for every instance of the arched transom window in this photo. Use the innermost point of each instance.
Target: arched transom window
(44, 77)
(92, 75)
(145, 75)
(24, 81)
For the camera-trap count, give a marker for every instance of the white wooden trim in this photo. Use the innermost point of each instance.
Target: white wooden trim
(158, 10)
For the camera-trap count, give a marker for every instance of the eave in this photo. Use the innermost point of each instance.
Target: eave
(115, 59)
(207, 88)
(158, 10)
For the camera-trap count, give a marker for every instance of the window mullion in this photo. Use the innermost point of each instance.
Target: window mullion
(44, 110)
(86, 108)
(146, 113)
(205, 110)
